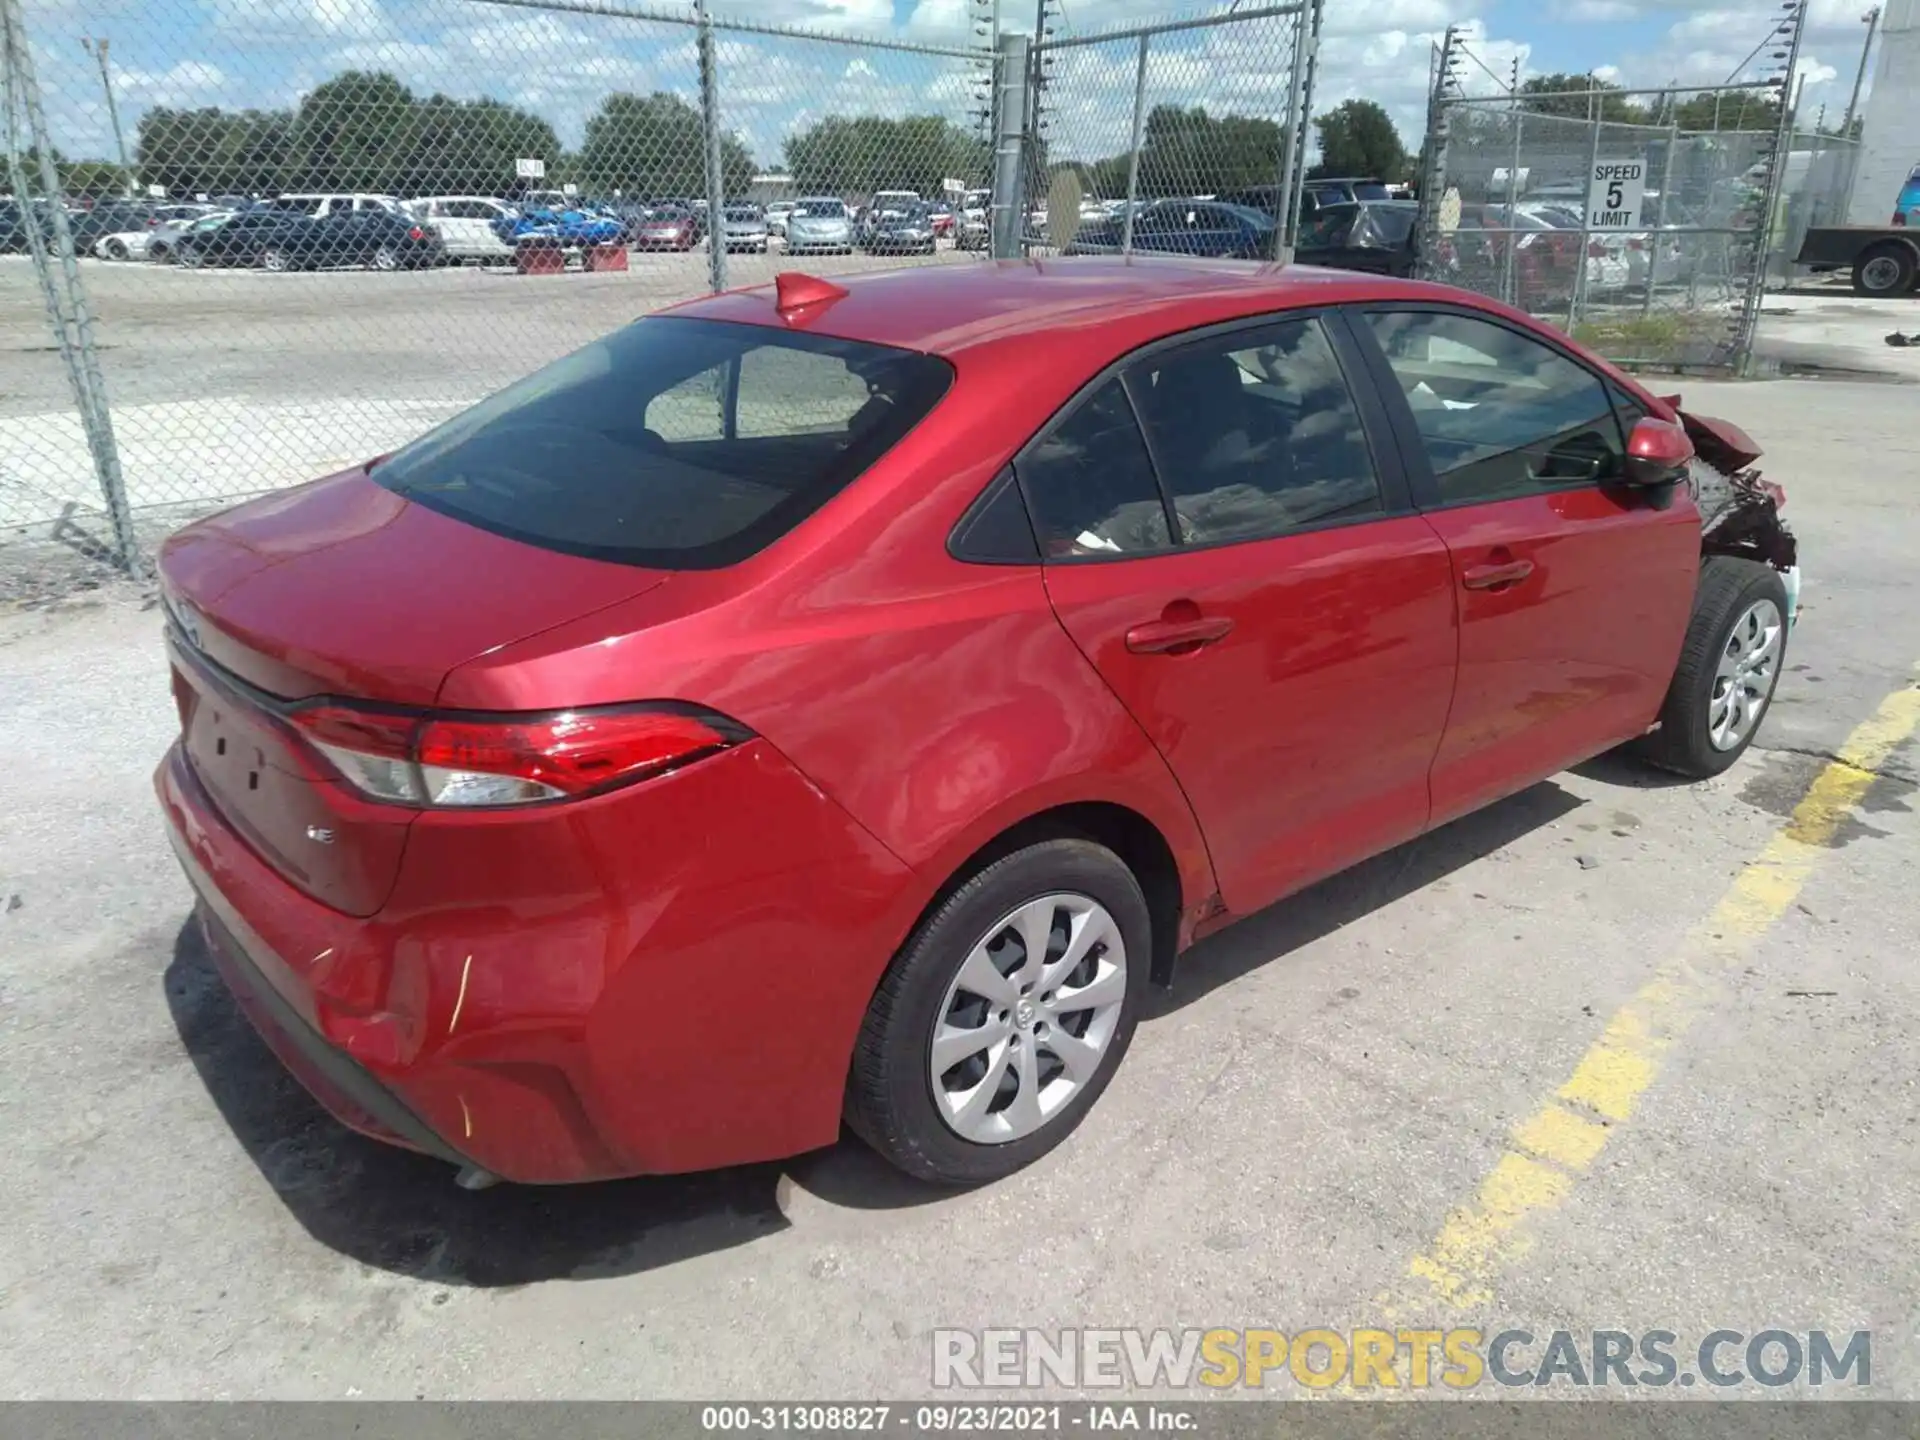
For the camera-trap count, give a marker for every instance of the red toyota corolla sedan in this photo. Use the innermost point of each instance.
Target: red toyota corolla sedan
(812, 703)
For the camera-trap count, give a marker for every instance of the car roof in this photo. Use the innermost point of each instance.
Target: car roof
(1034, 304)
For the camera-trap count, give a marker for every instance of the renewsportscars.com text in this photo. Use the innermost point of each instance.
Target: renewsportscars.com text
(1412, 1359)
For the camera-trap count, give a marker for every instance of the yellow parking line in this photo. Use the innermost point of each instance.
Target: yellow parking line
(1555, 1145)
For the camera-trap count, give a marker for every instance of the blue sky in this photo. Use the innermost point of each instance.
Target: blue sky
(269, 52)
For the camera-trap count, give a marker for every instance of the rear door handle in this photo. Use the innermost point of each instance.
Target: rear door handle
(1158, 637)
(1496, 577)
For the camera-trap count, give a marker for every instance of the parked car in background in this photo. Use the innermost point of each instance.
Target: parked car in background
(110, 217)
(279, 240)
(819, 224)
(321, 205)
(666, 227)
(974, 230)
(1906, 208)
(906, 230)
(596, 786)
(163, 245)
(1378, 237)
(569, 229)
(777, 214)
(137, 243)
(467, 224)
(1182, 227)
(744, 227)
(942, 216)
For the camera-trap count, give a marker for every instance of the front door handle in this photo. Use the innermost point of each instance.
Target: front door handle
(1161, 637)
(1496, 577)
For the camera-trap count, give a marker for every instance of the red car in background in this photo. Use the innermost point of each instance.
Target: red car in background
(814, 702)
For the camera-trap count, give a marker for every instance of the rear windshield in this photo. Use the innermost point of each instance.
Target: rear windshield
(1370, 190)
(675, 443)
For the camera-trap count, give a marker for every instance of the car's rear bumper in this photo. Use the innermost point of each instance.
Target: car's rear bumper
(580, 993)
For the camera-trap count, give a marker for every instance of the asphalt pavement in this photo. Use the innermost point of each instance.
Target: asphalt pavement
(1331, 1122)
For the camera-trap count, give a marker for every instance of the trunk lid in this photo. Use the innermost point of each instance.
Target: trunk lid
(341, 588)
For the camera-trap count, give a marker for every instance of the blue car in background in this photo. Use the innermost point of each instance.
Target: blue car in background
(564, 227)
(1906, 210)
(1210, 228)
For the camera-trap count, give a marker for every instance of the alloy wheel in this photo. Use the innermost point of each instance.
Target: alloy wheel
(1027, 1021)
(1744, 678)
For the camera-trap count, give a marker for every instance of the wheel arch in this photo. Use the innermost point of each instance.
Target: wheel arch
(1141, 845)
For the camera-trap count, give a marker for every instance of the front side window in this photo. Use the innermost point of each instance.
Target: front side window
(1499, 415)
(674, 443)
(1256, 435)
(1090, 483)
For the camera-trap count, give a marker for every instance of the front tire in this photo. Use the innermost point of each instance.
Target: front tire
(1729, 666)
(386, 259)
(275, 261)
(978, 1056)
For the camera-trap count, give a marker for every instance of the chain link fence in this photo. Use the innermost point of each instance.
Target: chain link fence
(262, 240)
(1211, 108)
(1666, 281)
(249, 242)
(1643, 222)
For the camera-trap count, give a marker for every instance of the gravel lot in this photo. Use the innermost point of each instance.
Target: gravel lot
(1328, 1083)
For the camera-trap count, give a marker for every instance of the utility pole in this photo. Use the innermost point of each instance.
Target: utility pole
(98, 50)
(1872, 21)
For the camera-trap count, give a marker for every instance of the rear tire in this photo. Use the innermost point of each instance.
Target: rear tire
(1888, 269)
(1730, 664)
(275, 261)
(891, 1101)
(116, 250)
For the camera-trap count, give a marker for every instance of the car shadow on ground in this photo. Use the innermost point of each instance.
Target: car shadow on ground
(401, 1212)
(1318, 911)
(397, 1211)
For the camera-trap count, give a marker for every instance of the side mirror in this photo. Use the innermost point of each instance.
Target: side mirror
(1657, 456)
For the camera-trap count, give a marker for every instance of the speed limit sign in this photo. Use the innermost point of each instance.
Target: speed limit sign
(1616, 190)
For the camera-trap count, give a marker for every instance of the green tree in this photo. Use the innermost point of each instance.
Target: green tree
(1357, 138)
(654, 145)
(96, 179)
(215, 152)
(1729, 110)
(355, 132)
(859, 154)
(1579, 97)
(468, 147)
(1189, 152)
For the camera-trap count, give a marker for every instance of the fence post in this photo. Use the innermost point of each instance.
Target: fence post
(716, 179)
(1433, 170)
(1776, 179)
(66, 298)
(1577, 306)
(1290, 142)
(1666, 210)
(1311, 17)
(1011, 66)
(1133, 151)
(1508, 250)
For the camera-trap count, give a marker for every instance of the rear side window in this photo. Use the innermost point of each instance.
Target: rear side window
(675, 443)
(1090, 483)
(1256, 436)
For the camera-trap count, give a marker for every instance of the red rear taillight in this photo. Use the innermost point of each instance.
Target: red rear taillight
(416, 233)
(453, 761)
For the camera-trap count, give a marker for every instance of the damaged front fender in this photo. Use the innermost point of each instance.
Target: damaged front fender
(1739, 510)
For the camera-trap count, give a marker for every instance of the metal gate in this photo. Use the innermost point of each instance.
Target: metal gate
(1214, 105)
(1640, 221)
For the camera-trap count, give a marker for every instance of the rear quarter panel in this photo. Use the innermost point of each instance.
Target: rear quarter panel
(938, 702)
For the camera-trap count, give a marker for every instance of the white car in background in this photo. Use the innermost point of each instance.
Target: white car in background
(466, 225)
(151, 242)
(777, 214)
